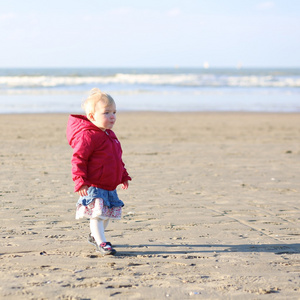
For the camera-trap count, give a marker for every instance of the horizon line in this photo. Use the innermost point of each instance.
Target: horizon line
(152, 67)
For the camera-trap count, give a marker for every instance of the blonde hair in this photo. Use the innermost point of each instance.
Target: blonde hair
(94, 97)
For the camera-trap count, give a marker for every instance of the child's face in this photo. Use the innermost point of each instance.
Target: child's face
(104, 116)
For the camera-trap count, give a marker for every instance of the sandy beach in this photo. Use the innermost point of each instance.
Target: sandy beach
(212, 211)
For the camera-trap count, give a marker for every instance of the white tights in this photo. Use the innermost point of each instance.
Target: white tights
(98, 227)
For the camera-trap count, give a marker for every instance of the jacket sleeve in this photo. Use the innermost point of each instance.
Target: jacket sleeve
(81, 153)
(125, 176)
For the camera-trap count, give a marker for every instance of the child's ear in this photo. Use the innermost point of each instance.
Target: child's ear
(91, 117)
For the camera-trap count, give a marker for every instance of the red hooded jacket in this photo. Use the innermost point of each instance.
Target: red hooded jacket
(97, 157)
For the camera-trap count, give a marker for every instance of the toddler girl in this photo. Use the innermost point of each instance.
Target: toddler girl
(97, 166)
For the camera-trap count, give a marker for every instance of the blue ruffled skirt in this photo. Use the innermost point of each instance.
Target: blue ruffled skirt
(99, 203)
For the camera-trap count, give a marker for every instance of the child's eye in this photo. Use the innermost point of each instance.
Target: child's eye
(108, 112)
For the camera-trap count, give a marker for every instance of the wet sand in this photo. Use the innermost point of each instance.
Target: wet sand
(212, 211)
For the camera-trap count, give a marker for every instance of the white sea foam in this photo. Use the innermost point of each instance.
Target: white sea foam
(62, 90)
(174, 80)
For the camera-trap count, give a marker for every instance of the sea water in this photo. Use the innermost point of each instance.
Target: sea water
(62, 90)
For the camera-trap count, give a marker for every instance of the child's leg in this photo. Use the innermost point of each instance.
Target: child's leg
(97, 230)
(106, 223)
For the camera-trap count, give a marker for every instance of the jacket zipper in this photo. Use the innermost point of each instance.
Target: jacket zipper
(116, 157)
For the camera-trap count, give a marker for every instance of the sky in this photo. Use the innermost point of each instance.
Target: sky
(144, 33)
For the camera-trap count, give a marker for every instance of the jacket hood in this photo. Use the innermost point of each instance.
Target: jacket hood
(77, 124)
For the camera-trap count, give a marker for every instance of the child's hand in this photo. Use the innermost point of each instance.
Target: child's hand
(125, 185)
(83, 190)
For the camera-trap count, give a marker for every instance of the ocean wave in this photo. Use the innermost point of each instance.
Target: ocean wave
(152, 80)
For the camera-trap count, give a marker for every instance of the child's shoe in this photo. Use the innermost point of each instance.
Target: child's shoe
(91, 240)
(106, 249)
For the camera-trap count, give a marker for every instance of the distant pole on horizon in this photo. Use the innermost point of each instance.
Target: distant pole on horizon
(206, 65)
(239, 65)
